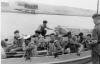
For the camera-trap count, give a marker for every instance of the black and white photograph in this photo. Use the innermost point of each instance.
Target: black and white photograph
(50, 31)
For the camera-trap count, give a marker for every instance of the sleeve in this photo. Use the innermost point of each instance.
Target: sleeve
(39, 27)
(94, 34)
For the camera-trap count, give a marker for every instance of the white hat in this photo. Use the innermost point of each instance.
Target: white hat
(26, 37)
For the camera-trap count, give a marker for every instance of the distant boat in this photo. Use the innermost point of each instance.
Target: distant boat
(37, 8)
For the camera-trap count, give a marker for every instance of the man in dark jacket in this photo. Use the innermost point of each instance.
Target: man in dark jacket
(96, 40)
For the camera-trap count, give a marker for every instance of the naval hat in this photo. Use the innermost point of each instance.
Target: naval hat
(95, 15)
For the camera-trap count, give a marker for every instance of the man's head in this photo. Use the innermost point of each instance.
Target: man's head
(37, 33)
(96, 18)
(69, 34)
(81, 34)
(52, 36)
(89, 36)
(16, 33)
(45, 22)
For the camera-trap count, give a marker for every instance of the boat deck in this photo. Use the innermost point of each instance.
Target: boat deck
(62, 59)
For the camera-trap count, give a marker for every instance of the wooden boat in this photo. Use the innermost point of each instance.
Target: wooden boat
(62, 59)
(38, 9)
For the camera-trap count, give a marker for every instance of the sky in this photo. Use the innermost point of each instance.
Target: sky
(27, 23)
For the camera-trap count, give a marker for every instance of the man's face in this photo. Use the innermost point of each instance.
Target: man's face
(52, 37)
(96, 20)
(47, 38)
(16, 35)
(37, 34)
(65, 38)
(88, 37)
(44, 24)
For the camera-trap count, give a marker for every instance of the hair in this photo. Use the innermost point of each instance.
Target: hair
(89, 35)
(16, 31)
(37, 31)
(65, 35)
(45, 21)
(52, 34)
(81, 34)
(33, 36)
(6, 39)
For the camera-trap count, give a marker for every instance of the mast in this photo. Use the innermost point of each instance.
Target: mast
(97, 6)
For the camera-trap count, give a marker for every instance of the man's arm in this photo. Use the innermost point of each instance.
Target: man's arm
(94, 35)
(49, 28)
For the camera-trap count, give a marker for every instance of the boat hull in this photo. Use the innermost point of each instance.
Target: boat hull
(85, 57)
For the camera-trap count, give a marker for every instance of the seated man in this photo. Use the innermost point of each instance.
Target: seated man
(17, 43)
(72, 43)
(29, 47)
(54, 46)
(88, 41)
(34, 44)
(36, 37)
(41, 45)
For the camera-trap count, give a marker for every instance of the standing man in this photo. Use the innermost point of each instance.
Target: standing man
(42, 28)
(96, 40)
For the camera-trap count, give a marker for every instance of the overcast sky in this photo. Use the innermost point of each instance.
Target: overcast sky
(87, 4)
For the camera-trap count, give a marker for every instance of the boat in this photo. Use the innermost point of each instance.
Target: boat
(72, 58)
(17, 57)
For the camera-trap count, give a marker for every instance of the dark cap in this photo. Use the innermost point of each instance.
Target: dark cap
(89, 35)
(81, 34)
(16, 31)
(37, 31)
(52, 34)
(95, 15)
(45, 21)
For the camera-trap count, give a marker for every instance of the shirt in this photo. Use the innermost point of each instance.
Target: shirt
(41, 27)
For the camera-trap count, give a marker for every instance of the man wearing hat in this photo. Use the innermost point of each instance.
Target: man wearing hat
(42, 28)
(96, 40)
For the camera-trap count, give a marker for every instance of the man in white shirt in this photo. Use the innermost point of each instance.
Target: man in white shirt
(42, 28)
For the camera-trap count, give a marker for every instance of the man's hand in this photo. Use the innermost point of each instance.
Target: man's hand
(93, 42)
